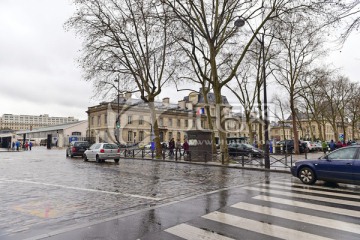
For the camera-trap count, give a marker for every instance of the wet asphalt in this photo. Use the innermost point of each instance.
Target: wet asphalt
(45, 195)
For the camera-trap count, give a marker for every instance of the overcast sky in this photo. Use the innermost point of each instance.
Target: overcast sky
(38, 69)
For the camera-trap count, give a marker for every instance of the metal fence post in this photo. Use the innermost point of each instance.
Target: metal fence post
(242, 161)
(142, 153)
(222, 158)
(205, 156)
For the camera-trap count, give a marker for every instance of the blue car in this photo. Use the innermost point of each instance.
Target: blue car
(340, 166)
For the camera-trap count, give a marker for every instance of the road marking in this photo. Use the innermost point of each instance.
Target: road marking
(311, 191)
(189, 232)
(261, 227)
(300, 217)
(289, 194)
(315, 187)
(81, 189)
(312, 206)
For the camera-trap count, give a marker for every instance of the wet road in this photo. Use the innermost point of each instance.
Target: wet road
(45, 195)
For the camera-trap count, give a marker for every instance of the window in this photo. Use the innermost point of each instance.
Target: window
(105, 119)
(170, 122)
(343, 154)
(186, 123)
(178, 136)
(130, 136)
(141, 136)
(178, 122)
(92, 121)
(161, 122)
(76, 134)
(170, 135)
(99, 120)
(129, 119)
(141, 120)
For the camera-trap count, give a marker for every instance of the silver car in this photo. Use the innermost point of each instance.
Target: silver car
(102, 151)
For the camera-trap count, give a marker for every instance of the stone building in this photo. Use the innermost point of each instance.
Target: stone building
(173, 119)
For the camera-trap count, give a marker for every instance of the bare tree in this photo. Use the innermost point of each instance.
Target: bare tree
(210, 27)
(128, 40)
(282, 109)
(300, 40)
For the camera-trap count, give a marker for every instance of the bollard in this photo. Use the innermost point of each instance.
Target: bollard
(142, 153)
(176, 154)
(305, 153)
(133, 153)
(222, 158)
(242, 161)
(205, 157)
(291, 161)
(163, 155)
(125, 153)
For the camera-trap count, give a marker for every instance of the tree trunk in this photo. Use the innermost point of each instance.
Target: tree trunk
(295, 132)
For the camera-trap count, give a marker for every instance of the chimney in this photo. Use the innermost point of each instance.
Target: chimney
(189, 106)
(127, 95)
(166, 101)
(181, 104)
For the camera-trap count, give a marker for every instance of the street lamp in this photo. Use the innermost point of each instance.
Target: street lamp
(240, 22)
(117, 130)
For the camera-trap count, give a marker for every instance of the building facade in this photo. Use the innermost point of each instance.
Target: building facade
(29, 122)
(173, 119)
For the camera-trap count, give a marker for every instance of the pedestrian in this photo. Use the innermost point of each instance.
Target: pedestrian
(339, 144)
(13, 146)
(26, 145)
(17, 145)
(178, 147)
(324, 147)
(30, 145)
(172, 147)
(186, 149)
(332, 145)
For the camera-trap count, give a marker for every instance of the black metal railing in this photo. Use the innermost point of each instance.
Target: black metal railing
(281, 160)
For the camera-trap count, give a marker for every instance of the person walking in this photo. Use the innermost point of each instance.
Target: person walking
(172, 147)
(17, 145)
(324, 146)
(178, 146)
(30, 145)
(332, 145)
(186, 150)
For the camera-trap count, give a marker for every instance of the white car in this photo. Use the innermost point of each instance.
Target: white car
(102, 151)
(311, 145)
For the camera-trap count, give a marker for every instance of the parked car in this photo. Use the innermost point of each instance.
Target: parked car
(311, 146)
(288, 146)
(341, 165)
(77, 148)
(102, 151)
(243, 149)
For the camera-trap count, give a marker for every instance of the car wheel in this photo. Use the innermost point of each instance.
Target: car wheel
(98, 160)
(85, 158)
(307, 175)
(116, 160)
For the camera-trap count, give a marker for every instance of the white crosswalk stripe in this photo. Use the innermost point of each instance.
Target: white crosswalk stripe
(282, 217)
(189, 232)
(312, 191)
(318, 207)
(289, 194)
(350, 191)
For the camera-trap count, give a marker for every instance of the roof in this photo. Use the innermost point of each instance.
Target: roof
(210, 97)
(53, 127)
(140, 103)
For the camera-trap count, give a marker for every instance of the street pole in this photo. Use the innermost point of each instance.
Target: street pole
(117, 130)
(266, 122)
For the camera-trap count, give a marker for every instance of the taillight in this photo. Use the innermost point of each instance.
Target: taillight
(118, 150)
(102, 150)
(73, 149)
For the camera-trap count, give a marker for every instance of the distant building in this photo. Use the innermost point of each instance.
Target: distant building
(61, 135)
(29, 122)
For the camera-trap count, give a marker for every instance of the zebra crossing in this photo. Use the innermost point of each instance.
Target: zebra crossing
(280, 210)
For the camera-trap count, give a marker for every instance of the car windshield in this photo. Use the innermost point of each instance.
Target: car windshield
(81, 144)
(248, 145)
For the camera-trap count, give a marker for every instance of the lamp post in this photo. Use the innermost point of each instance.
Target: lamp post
(240, 22)
(117, 130)
(266, 121)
